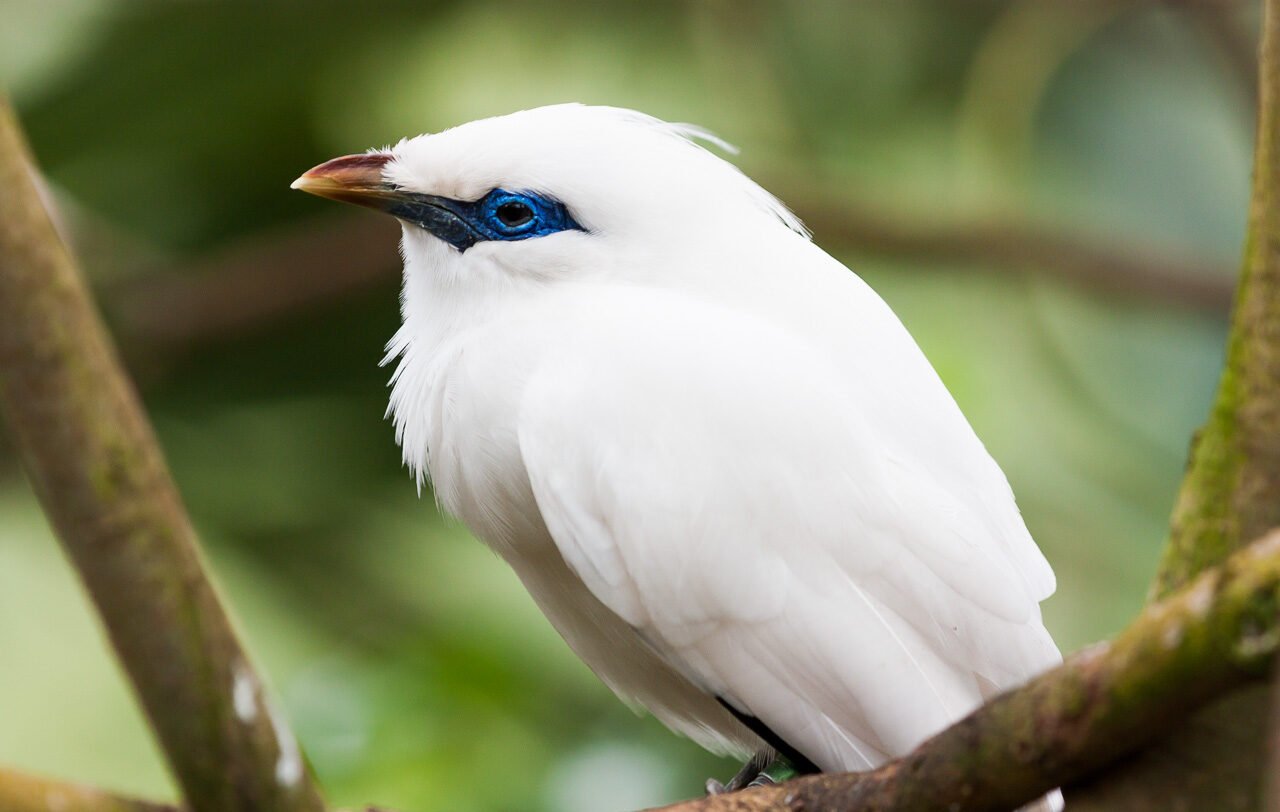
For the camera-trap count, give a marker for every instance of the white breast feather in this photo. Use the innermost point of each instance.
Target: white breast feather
(713, 481)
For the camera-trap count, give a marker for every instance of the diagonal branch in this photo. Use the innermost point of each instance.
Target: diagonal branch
(256, 281)
(1271, 786)
(1228, 495)
(1018, 248)
(265, 277)
(95, 464)
(23, 792)
(20, 792)
(1103, 702)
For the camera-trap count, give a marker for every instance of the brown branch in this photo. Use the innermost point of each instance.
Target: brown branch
(20, 792)
(96, 467)
(1019, 249)
(258, 280)
(1272, 776)
(1106, 701)
(1215, 757)
(266, 277)
(23, 792)
(1229, 493)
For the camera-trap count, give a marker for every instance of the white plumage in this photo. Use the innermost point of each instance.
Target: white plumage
(713, 455)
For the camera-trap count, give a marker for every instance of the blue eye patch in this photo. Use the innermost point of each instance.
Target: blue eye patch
(499, 215)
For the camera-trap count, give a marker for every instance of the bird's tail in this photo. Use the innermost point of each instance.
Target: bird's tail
(1049, 803)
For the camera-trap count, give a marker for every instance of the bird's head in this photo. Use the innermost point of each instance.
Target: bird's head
(495, 208)
(559, 191)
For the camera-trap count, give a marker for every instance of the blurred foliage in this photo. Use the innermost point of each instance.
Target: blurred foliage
(414, 668)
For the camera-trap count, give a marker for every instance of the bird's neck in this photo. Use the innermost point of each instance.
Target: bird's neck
(445, 317)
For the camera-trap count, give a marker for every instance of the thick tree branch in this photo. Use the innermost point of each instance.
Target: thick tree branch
(266, 277)
(257, 281)
(96, 466)
(1272, 785)
(23, 792)
(1017, 248)
(20, 792)
(1217, 756)
(1229, 493)
(1103, 702)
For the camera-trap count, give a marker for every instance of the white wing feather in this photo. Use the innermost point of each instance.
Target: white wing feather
(717, 483)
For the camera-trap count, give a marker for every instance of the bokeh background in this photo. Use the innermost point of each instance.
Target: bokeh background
(1050, 194)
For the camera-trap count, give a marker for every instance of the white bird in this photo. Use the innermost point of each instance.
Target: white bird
(715, 458)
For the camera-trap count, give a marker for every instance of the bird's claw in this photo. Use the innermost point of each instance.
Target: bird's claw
(752, 774)
(715, 787)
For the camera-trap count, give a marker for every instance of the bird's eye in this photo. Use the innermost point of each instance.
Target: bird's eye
(514, 214)
(507, 215)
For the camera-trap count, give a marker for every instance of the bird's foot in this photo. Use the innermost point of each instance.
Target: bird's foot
(761, 771)
(777, 772)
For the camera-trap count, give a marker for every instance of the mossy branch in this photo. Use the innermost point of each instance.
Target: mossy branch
(1229, 495)
(1219, 632)
(97, 469)
(1211, 636)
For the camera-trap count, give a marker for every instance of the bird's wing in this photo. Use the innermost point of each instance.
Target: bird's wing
(712, 481)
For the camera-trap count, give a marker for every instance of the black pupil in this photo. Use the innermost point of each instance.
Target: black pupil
(514, 214)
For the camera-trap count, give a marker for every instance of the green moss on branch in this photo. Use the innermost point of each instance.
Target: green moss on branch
(1229, 495)
(1215, 634)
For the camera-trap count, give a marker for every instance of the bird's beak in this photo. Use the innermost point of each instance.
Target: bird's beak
(353, 179)
(358, 179)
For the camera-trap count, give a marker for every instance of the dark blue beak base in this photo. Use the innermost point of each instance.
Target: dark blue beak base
(445, 218)
(499, 215)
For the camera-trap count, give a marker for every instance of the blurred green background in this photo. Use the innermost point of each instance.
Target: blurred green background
(1051, 195)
